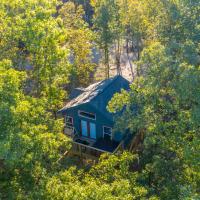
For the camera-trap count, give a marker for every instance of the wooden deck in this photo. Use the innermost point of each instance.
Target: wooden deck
(85, 149)
(89, 152)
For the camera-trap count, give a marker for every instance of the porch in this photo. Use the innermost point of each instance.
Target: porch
(89, 148)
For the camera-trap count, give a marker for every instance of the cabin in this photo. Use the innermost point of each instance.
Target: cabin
(87, 120)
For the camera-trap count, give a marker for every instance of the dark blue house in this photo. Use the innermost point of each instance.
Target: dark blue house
(87, 119)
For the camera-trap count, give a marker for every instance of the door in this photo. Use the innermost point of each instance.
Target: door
(93, 131)
(84, 129)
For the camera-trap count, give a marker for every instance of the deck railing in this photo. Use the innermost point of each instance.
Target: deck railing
(119, 147)
(91, 152)
(86, 151)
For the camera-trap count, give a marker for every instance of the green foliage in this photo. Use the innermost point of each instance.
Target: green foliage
(46, 47)
(34, 41)
(31, 141)
(105, 21)
(164, 99)
(110, 179)
(168, 111)
(107, 24)
(80, 42)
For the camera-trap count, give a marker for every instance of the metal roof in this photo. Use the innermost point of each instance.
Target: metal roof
(91, 92)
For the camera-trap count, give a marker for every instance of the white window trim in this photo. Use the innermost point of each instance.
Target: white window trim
(67, 116)
(85, 116)
(111, 135)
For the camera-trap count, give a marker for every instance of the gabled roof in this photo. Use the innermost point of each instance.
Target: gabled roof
(100, 90)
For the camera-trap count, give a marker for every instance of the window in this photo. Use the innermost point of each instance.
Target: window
(107, 132)
(69, 121)
(87, 115)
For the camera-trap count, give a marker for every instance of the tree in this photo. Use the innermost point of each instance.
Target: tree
(80, 40)
(31, 141)
(88, 10)
(170, 23)
(107, 24)
(162, 103)
(37, 44)
(110, 179)
(167, 112)
(131, 12)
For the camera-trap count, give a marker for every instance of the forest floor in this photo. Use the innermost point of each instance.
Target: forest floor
(128, 67)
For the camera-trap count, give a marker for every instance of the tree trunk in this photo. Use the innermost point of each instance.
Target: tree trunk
(118, 57)
(107, 65)
(129, 60)
(138, 49)
(137, 141)
(138, 56)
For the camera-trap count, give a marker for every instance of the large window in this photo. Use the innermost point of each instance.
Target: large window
(69, 121)
(107, 132)
(87, 115)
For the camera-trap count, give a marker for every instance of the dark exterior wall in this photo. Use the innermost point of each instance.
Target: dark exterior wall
(100, 120)
(98, 106)
(101, 101)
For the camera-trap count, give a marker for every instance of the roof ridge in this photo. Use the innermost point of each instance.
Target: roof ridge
(92, 92)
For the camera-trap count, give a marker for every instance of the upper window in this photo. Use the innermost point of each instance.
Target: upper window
(69, 121)
(87, 115)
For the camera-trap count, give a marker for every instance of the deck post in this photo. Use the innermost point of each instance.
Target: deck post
(80, 151)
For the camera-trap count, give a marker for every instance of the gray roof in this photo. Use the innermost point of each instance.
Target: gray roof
(91, 93)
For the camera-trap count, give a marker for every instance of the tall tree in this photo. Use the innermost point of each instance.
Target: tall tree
(31, 141)
(107, 24)
(80, 41)
(163, 103)
(34, 42)
(88, 10)
(164, 107)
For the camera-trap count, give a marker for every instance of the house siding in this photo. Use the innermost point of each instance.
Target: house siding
(97, 105)
(103, 99)
(100, 121)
